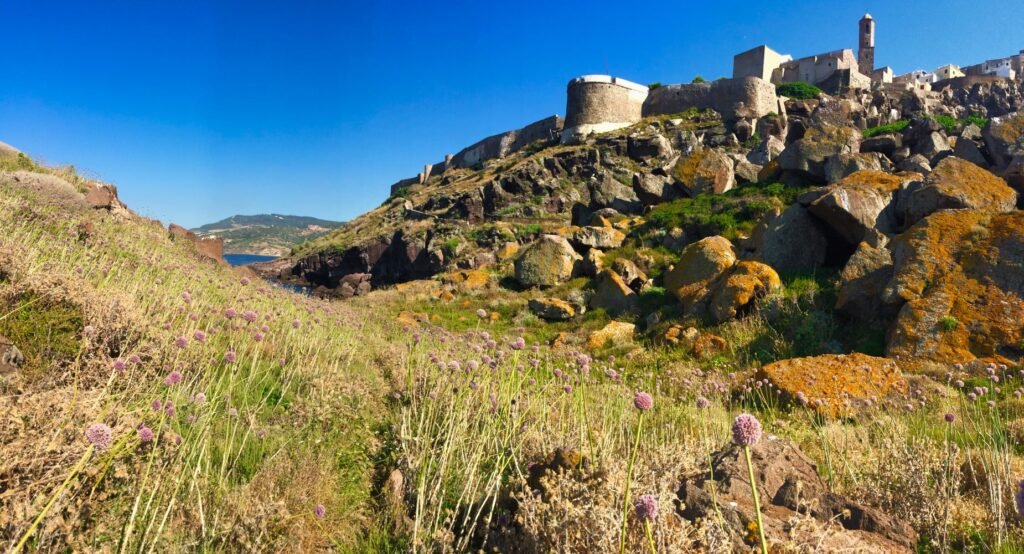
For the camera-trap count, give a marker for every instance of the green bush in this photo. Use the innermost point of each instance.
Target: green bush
(894, 127)
(726, 214)
(698, 80)
(949, 323)
(653, 86)
(798, 90)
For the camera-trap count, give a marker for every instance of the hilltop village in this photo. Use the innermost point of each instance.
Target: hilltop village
(602, 103)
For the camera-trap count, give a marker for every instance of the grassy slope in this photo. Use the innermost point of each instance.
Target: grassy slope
(320, 413)
(292, 420)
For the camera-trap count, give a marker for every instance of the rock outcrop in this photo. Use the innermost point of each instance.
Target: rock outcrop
(789, 487)
(546, 263)
(957, 184)
(836, 385)
(958, 279)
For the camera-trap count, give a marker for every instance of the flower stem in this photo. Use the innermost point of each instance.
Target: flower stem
(650, 537)
(56, 494)
(629, 479)
(757, 501)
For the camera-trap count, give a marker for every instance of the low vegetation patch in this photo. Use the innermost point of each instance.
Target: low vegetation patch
(798, 90)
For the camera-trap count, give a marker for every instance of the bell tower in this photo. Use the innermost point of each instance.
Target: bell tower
(866, 45)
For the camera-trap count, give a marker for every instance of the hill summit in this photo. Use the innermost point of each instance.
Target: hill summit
(265, 234)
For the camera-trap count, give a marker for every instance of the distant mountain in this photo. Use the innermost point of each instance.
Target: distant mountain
(266, 234)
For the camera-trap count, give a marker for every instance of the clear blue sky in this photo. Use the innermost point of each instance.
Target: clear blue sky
(199, 110)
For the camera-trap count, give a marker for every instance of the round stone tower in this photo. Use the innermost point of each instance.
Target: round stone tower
(866, 45)
(601, 103)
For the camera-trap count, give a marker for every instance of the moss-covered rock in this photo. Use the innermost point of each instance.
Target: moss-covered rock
(546, 263)
(836, 385)
(705, 170)
(959, 279)
(958, 184)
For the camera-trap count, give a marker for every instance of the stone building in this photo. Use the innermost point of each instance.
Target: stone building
(601, 103)
(832, 70)
(758, 62)
(866, 45)
(948, 71)
(1009, 67)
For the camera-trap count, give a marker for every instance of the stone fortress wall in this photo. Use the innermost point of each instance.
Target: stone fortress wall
(601, 103)
(747, 97)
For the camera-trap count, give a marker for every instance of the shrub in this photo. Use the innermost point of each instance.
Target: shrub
(894, 127)
(798, 90)
(698, 80)
(949, 323)
(653, 86)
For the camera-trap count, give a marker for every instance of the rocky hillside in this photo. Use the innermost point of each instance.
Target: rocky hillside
(265, 234)
(585, 348)
(906, 206)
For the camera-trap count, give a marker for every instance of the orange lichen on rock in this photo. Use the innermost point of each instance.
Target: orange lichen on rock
(836, 385)
(961, 275)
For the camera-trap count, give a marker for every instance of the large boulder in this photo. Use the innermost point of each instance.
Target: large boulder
(631, 274)
(835, 385)
(957, 184)
(615, 333)
(547, 262)
(642, 149)
(700, 266)
(862, 281)
(705, 170)
(552, 309)
(808, 155)
(842, 165)
(608, 192)
(653, 189)
(791, 240)
(789, 489)
(1004, 137)
(597, 237)
(747, 281)
(859, 203)
(612, 294)
(958, 280)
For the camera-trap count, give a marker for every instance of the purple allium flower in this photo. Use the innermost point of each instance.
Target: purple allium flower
(181, 342)
(231, 313)
(258, 337)
(245, 281)
(99, 435)
(1018, 497)
(643, 401)
(567, 389)
(233, 412)
(134, 359)
(145, 434)
(89, 331)
(157, 405)
(518, 344)
(230, 357)
(320, 511)
(186, 297)
(119, 366)
(296, 323)
(199, 336)
(173, 378)
(646, 508)
(250, 316)
(199, 398)
(949, 418)
(703, 403)
(746, 430)
(481, 313)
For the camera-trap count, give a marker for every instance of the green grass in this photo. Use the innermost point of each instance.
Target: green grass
(730, 214)
(47, 331)
(798, 90)
(889, 128)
